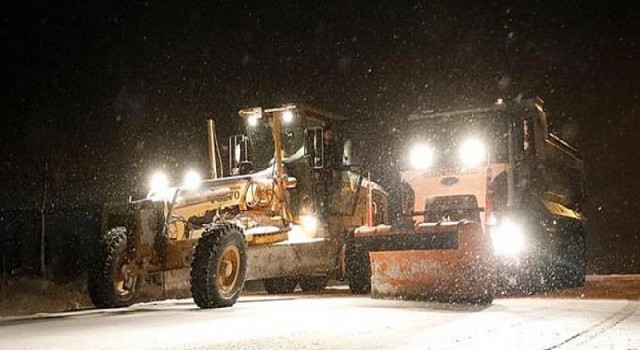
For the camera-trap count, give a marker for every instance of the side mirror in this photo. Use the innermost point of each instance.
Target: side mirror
(314, 146)
(239, 157)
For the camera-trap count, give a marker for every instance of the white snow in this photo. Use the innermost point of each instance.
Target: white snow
(338, 320)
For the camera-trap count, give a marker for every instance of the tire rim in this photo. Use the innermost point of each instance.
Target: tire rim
(125, 281)
(228, 271)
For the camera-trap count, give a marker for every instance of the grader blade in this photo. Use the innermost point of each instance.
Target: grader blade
(448, 261)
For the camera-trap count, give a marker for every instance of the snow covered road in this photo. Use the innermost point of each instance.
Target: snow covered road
(337, 320)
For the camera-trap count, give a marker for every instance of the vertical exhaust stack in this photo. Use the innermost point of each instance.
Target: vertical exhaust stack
(369, 209)
(213, 168)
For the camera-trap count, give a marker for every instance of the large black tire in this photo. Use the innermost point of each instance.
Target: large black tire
(313, 284)
(111, 280)
(582, 258)
(280, 285)
(577, 260)
(218, 267)
(569, 269)
(358, 268)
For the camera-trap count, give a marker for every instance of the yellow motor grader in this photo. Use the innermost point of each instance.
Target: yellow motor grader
(283, 217)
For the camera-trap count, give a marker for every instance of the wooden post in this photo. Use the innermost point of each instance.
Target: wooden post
(43, 209)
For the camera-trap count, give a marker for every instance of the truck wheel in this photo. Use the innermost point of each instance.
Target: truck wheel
(112, 280)
(578, 261)
(313, 284)
(218, 267)
(358, 268)
(280, 285)
(569, 269)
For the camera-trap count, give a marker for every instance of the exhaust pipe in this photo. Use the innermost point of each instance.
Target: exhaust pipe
(213, 168)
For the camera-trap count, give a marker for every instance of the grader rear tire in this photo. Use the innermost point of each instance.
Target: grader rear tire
(313, 284)
(358, 268)
(280, 285)
(219, 267)
(485, 298)
(112, 283)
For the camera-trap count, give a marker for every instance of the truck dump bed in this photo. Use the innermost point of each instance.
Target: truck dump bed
(561, 173)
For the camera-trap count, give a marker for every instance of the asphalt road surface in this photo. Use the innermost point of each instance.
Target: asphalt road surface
(337, 320)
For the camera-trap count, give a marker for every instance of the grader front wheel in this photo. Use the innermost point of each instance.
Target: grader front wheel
(113, 281)
(218, 267)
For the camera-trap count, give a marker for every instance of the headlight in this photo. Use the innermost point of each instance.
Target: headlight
(192, 180)
(309, 223)
(472, 153)
(421, 156)
(508, 238)
(159, 182)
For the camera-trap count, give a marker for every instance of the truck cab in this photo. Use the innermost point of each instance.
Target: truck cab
(500, 166)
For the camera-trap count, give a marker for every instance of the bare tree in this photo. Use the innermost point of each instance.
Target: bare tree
(42, 208)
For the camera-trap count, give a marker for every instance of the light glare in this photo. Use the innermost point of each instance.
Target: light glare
(192, 179)
(472, 153)
(252, 120)
(508, 238)
(159, 182)
(421, 156)
(310, 223)
(287, 116)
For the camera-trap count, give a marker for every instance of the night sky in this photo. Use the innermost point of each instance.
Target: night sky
(106, 92)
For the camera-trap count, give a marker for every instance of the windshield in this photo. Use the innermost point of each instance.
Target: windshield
(457, 141)
(261, 141)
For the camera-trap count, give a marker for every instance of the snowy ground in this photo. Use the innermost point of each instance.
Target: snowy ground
(562, 320)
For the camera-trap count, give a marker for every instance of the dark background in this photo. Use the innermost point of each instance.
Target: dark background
(106, 92)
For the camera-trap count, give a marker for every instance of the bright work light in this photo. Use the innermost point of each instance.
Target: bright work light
(421, 156)
(472, 153)
(192, 179)
(508, 238)
(159, 182)
(252, 120)
(287, 116)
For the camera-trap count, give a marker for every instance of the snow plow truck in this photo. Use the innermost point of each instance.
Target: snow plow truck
(488, 198)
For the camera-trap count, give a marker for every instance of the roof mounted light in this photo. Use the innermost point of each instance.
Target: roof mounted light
(287, 116)
(252, 115)
(252, 120)
(473, 153)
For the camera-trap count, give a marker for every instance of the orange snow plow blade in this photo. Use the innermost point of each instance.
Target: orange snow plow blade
(449, 261)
